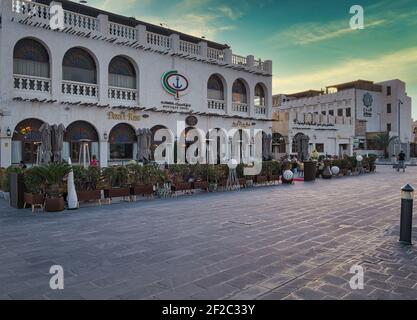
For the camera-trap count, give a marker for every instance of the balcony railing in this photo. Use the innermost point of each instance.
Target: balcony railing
(239, 60)
(123, 32)
(216, 104)
(261, 110)
(32, 84)
(123, 94)
(32, 9)
(240, 107)
(158, 40)
(215, 54)
(190, 48)
(38, 15)
(80, 21)
(79, 89)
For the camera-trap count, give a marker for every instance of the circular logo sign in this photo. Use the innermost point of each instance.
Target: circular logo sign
(368, 100)
(174, 83)
(191, 121)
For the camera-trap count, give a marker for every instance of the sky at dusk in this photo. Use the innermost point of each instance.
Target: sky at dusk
(310, 42)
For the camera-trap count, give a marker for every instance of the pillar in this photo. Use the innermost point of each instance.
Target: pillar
(104, 153)
(5, 151)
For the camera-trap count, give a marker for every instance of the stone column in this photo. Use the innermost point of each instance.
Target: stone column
(203, 49)
(104, 25)
(228, 55)
(175, 42)
(104, 153)
(141, 35)
(5, 150)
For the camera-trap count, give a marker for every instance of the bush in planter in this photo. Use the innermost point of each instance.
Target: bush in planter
(34, 192)
(87, 183)
(116, 180)
(5, 180)
(53, 184)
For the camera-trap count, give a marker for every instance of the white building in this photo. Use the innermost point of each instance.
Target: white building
(344, 118)
(101, 75)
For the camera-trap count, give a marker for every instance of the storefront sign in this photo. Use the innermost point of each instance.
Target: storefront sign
(240, 124)
(123, 116)
(175, 83)
(175, 106)
(314, 124)
(367, 103)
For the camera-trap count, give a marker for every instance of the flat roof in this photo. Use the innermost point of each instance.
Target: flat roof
(358, 84)
(305, 94)
(130, 21)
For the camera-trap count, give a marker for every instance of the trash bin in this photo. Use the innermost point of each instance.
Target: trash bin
(310, 170)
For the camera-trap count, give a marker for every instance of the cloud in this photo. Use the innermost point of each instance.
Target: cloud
(399, 65)
(312, 32)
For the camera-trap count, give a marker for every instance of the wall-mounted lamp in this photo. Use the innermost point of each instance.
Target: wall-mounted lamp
(9, 132)
(105, 135)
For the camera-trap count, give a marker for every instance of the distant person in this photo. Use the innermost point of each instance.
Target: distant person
(23, 165)
(401, 161)
(94, 162)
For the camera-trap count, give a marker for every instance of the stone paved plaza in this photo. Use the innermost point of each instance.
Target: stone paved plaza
(282, 242)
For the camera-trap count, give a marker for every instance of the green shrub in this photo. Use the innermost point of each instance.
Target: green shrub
(5, 177)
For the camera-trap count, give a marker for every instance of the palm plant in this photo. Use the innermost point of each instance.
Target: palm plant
(382, 141)
(52, 177)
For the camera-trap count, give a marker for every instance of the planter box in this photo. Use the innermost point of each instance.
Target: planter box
(54, 204)
(203, 185)
(86, 196)
(34, 200)
(242, 182)
(142, 190)
(274, 179)
(181, 186)
(117, 193)
(261, 179)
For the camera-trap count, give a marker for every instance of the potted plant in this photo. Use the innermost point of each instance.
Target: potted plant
(181, 175)
(34, 195)
(327, 172)
(272, 170)
(116, 180)
(143, 179)
(200, 175)
(54, 184)
(213, 177)
(86, 184)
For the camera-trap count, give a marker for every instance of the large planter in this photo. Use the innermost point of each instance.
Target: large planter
(242, 182)
(117, 193)
(54, 204)
(310, 170)
(212, 187)
(142, 190)
(203, 185)
(34, 200)
(181, 187)
(86, 196)
(274, 178)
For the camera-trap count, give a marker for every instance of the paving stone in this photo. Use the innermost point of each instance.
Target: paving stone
(262, 243)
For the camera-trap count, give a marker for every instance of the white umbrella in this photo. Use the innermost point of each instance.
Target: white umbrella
(72, 194)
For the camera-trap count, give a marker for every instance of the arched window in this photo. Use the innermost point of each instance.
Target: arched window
(122, 73)
(77, 133)
(278, 144)
(215, 88)
(122, 140)
(239, 92)
(79, 66)
(30, 58)
(26, 140)
(259, 96)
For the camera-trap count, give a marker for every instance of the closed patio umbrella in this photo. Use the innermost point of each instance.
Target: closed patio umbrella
(58, 142)
(46, 146)
(72, 193)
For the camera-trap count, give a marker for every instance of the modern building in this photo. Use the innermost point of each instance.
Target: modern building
(344, 118)
(105, 77)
